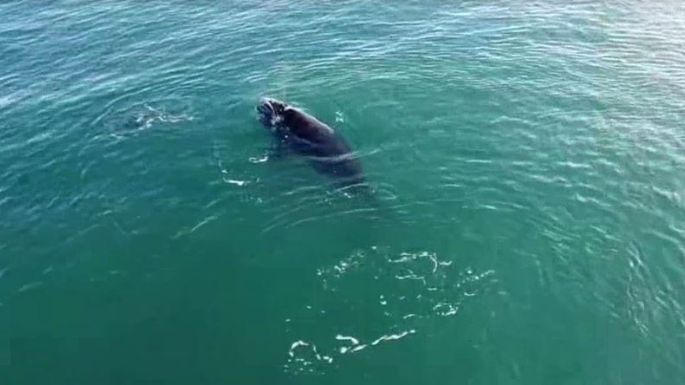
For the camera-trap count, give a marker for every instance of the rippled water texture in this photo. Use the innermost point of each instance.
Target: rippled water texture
(527, 226)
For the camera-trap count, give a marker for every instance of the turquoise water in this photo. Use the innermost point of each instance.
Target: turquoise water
(528, 161)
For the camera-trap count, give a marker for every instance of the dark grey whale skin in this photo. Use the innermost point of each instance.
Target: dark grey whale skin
(327, 151)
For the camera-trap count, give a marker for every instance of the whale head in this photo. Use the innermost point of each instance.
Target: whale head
(271, 111)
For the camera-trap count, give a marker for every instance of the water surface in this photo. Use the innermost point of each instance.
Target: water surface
(529, 162)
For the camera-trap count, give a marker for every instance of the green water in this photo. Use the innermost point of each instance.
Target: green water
(528, 225)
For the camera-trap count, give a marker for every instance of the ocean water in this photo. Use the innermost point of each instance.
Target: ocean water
(528, 161)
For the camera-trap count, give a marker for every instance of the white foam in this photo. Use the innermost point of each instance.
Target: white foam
(254, 159)
(392, 337)
(296, 345)
(353, 340)
(236, 182)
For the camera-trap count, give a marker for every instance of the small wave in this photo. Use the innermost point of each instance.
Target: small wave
(30, 286)
(150, 115)
(230, 180)
(196, 227)
(3, 271)
(130, 121)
